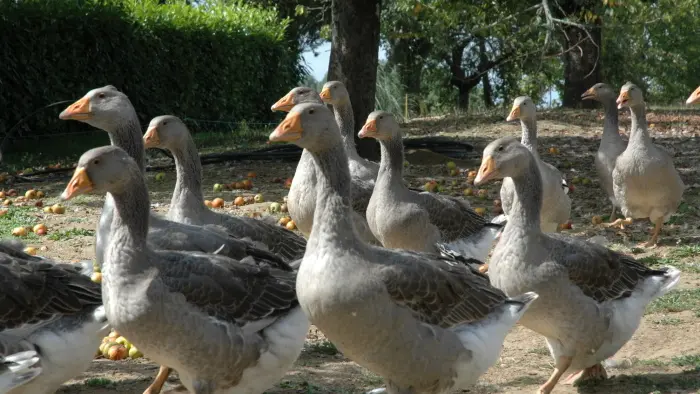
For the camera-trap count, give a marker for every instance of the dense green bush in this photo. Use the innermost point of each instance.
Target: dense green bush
(208, 62)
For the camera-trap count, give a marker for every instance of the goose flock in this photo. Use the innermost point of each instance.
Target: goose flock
(396, 278)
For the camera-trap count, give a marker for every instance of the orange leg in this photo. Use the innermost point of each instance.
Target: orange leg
(620, 222)
(484, 268)
(158, 383)
(563, 364)
(651, 243)
(595, 372)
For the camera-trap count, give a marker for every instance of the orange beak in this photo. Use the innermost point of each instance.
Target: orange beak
(369, 129)
(588, 94)
(487, 171)
(289, 130)
(325, 95)
(695, 97)
(514, 114)
(284, 104)
(80, 183)
(622, 99)
(79, 110)
(151, 139)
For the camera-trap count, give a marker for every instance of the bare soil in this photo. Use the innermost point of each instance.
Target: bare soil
(663, 356)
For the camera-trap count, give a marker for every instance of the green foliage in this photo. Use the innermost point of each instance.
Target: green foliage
(390, 94)
(213, 61)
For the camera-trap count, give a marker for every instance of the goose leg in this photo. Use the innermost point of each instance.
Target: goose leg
(620, 222)
(595, 372)
(563, 363)
(651, 243)
(483, 268)
(159, 381)
(612, 214)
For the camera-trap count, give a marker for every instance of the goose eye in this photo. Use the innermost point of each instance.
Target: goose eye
(101, 95)
(500, 148)
(380, 118)
(311, 112)
(96, 161)
(164, 123)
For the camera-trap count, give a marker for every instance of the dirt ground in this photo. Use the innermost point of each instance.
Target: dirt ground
(663, 356)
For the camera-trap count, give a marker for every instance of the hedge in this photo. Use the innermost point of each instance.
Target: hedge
(215, 62)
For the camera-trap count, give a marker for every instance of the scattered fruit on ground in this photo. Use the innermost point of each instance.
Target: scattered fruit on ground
(586, 181)
(597, 219)
(575, 180)
(451, 165)
(480, 210)
(58, 209)
(4, 211)
(258, 198)
(252, 174)
(290, 225)
(288, 183)
(275, 207)
(2, 195)
(284, 220)
(554, 150)
(218, 187)
(207, 203)
(217, 203)
(247, 184)
(406, 163)
(38, 227)
(497, 203)
(160, 176)
(19, 231)
(283, 207)
(468, 192)
(454, 172)
(7, 202)
(39, 204)
(96, 277)
(30, 250)
(238, 185)
(239, 201)
(30, 194)
(471, 174)
(567, 226)
(135, 353)
(117, 352)
(431, 186)
(40, 194)
(483, 193)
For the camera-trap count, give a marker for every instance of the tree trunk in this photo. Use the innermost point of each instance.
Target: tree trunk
(485, 83)
(464, 90)
(354, 59)
(581, 65)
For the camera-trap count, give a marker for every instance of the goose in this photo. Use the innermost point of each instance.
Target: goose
(403, 219)
(336, 94)
(645, 182)
(591, 298)
(301, 199)
(425, 323)
(556, 199)
(226, 326)
(49, 310)
(187, 203)
(611, 143)
(694, 98)
(110, 110)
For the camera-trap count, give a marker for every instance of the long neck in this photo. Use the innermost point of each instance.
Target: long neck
(131, 213)
(639, 133)
(332, 217)
(127, 135)
(527, 204)
(188, 187)
(345, 119)
(391, 165)
(529, 136)
(610, 124)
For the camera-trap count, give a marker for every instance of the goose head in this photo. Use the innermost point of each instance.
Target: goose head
(101, 107)
(298, 95)
(380, 125)
(523, 109)
(630, 96)
(165, 131)
(310, 126)
(106, 169)
(334, 93)
(502, 158)
(599, 92)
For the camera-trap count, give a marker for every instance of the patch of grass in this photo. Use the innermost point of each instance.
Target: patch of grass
(323, 347)
(17, 217)
(668, 321)
(303, 387)
(674, 260)
(543, 351)
(686, 251)
(70, 233)
(652, 363)
(99, 382)
(676, 301)
(687, 360)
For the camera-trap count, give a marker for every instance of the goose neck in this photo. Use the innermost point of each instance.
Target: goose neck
(610, 124)
(639, 134)
(345, 119)
(391, 165)
(527, 203)
(529, 135)
(188, 186)
(127, 135)
(130, 215)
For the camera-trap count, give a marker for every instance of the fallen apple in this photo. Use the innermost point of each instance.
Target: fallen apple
(218, 187)
(252, 174)
(480, 210)
(58, 209)
(217, 203)
(4, 211)
(238, 185)
(135, 353)
(39, 204)
(2, 194)
(107, 346)
(585, 181)
(96, 277)
(483, 193)
(30, 194)
(30, 250)
(124, 342)
(40, 194)
(454, 172)
(207, 203)
(430, 186)
(283, 207)
(597, 219)
(468, 192)
(11, 193)
(288, 183)
(40, 226)
(290, 225)
(567, 226)
(247, 184)
(575, 180)
(7, 202)
(275, 207)
(239, 201)
(284, 220)
(20, 231)
(160, 176)
(258, 198)
(451, 165)
(406, 163)
(47, 209)
(554, 150)
(117, 352)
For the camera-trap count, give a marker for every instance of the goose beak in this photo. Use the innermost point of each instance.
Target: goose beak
(80, 183)
(151, 139)
(694, 98)
(289, 130)
(623, 99)
(79, 110)
(325, 95)
(369, 129)
(588, 94)
(284, 104)
(514, 114)
(487, 171)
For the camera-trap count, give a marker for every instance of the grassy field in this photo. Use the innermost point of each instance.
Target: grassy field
(663, 356)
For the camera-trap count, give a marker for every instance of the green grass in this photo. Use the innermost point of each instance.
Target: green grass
(676, 301)
(687, 360)
(322, 347)
(543, 351)
(668, 321)
(70, 233)
(17, 217)
(99, 382)
(683, 258)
